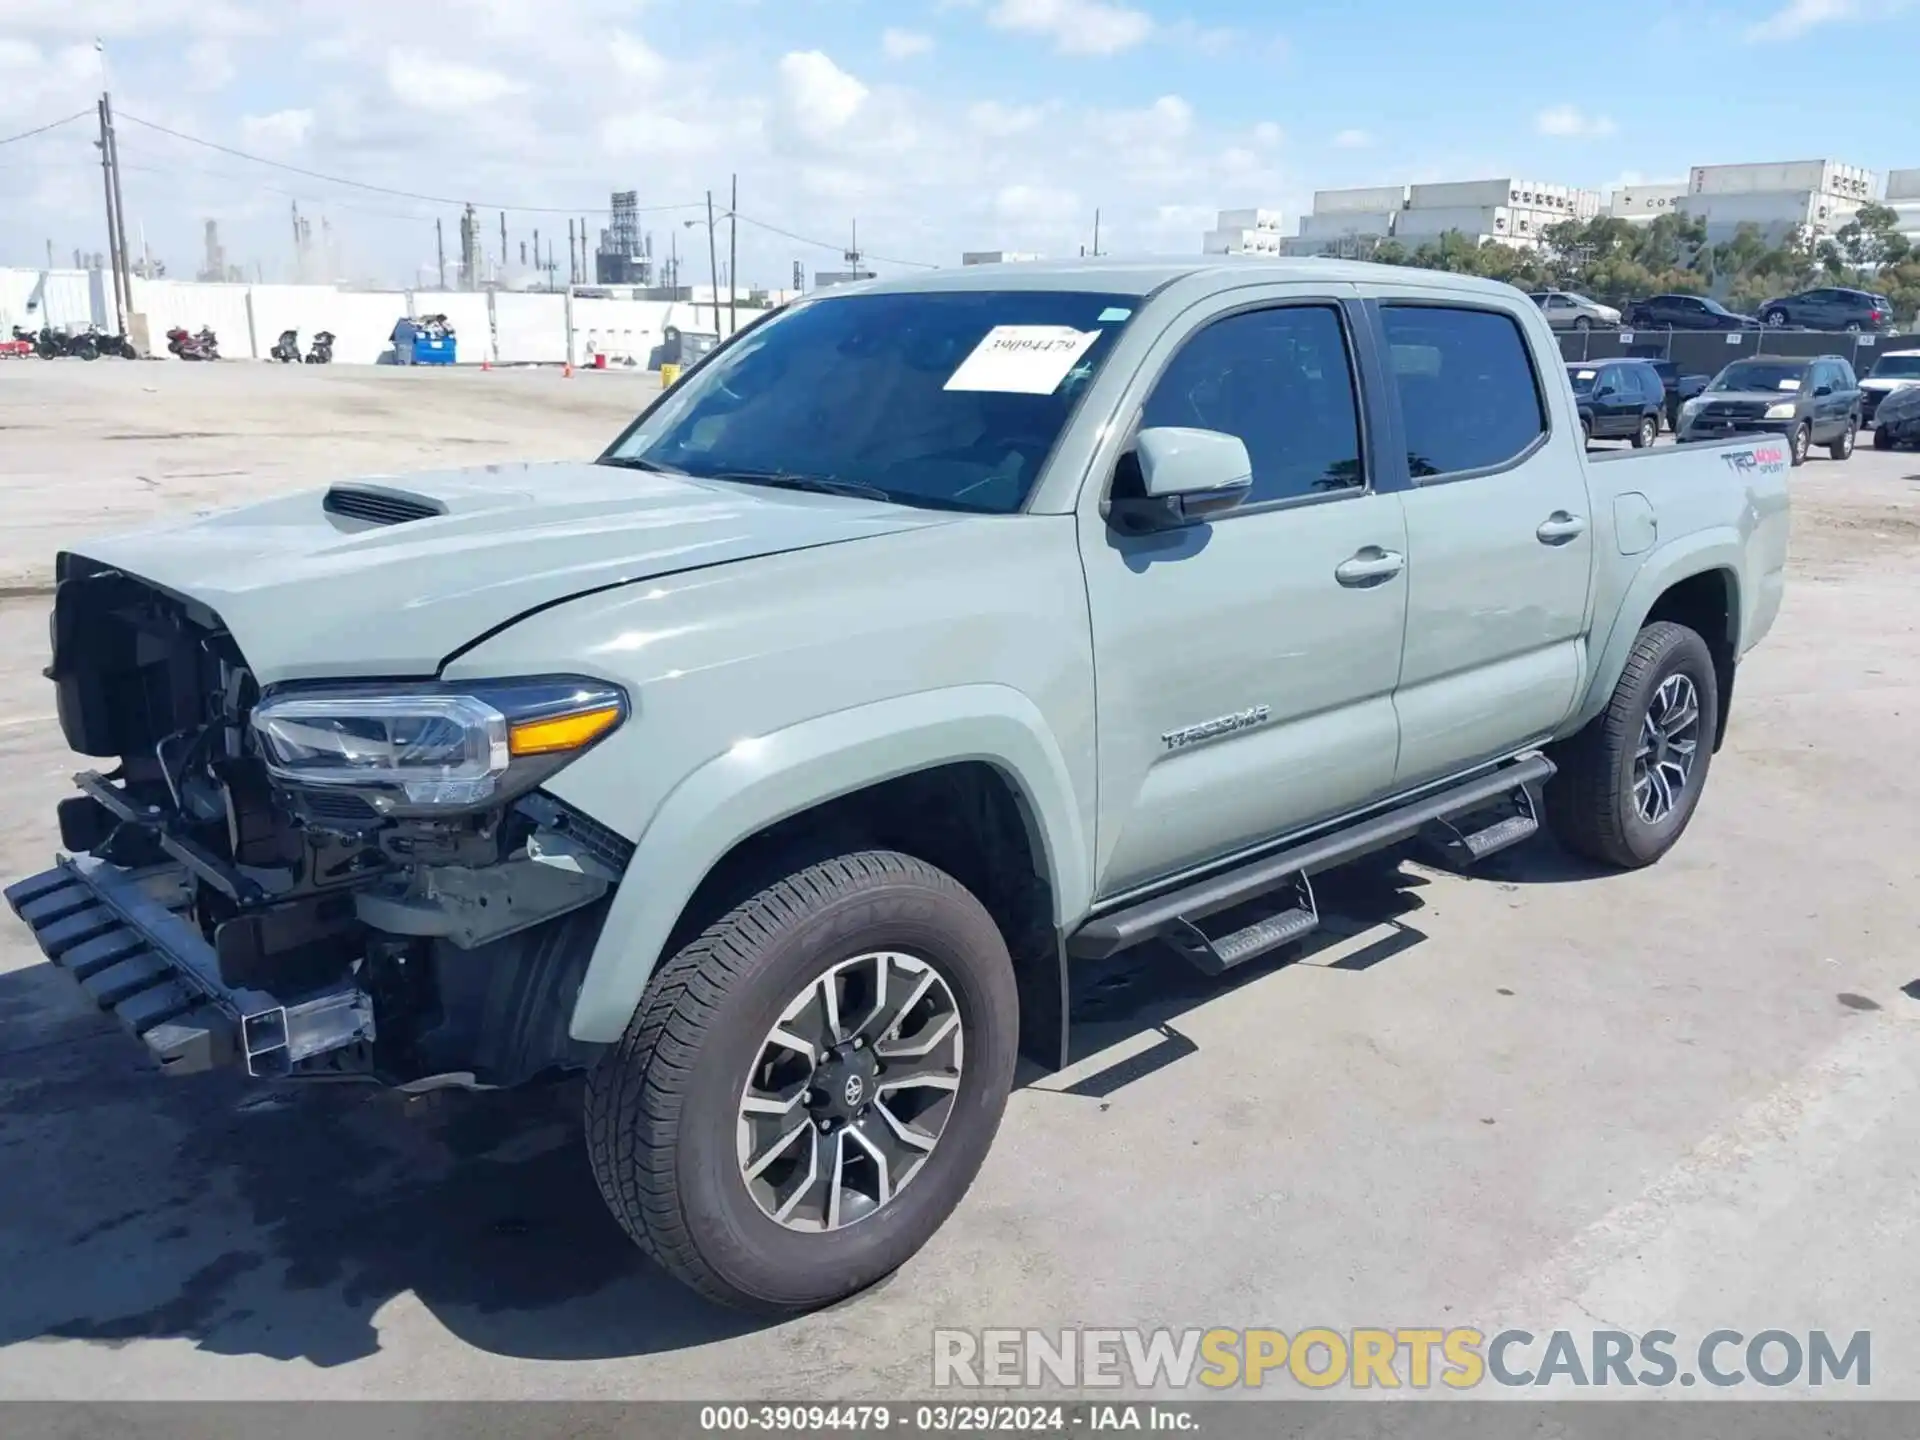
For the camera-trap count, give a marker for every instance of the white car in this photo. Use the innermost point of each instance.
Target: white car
(1895, 370)
(1567, 311)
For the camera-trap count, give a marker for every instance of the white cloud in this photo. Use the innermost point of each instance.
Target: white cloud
(282, 130)
(1076, 27)
(1003, 122)
(639, 61)
(209, 64)
(1799, 16)
(1268, 134)
(435, 83)
(904, 44)
(1352, 140)
(1042, 204)
(1571, 123)
(818, 97)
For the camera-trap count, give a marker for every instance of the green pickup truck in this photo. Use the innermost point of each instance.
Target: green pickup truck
(928, 643)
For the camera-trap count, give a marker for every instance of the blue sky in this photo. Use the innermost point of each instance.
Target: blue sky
(940, 125)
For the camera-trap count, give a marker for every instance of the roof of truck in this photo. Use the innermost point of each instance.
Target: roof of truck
(1144, 276)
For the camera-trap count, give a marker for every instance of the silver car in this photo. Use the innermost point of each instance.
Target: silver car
(1566, 310)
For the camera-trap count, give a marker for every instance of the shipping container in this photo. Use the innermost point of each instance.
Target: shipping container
(1463, 194)
(995, 257)
(1347, 222)
(1635, 202)
(1366, 198)
(1793, 176)
(1248, 220)
(1903, 185)
(1801, 207)
(1240, 242)
(1471, 220)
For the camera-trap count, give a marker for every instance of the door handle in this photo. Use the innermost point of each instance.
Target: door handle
(1560, 527)
(1370, 566)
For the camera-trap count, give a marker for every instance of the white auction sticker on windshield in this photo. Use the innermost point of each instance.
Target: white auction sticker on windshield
(1789, 384)
(1023, 359)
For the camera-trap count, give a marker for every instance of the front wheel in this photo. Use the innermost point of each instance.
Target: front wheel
(1775, 319)
(1842, 448)
(1801, 442)
(1628, 783)
(1648, 432)
(808, 1089)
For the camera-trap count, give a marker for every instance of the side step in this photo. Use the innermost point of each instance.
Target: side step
(1282, 881)
(1460, 840)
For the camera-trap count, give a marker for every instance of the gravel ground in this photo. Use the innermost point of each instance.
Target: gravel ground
(1684, 1098)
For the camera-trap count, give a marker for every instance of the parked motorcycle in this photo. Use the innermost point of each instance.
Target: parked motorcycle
(321, 351)
(287, 348)
(118, 345)
(188, 346)
(51, 344)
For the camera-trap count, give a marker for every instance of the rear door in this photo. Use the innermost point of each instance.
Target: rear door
(1245, 667)
(1499, 532)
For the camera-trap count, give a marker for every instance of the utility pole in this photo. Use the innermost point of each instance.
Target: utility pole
(573, 272)
(733, 260)
(587, 277)
(1096, 234)
(713, 265)
(536, 252)
(503, 240)
(49, 254)
(440, 250)
(113, 229)
(119, 207)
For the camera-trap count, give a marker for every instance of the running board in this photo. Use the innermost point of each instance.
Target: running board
(1461, 840)
(1176, 916)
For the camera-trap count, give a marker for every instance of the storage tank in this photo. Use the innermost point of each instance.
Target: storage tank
(1248, 220)
(1365, 198)
(1333, 224)
(1461, 195)
(1471, 220)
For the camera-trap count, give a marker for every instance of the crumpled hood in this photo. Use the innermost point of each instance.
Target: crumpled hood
(311, 594)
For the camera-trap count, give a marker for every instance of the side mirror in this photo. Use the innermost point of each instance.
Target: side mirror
(1822, 390)
(1187, 475)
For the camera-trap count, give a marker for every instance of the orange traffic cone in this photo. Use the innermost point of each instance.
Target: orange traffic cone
(566, 372)
(485, 363)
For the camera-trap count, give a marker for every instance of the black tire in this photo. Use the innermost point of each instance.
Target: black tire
(1590, 801)
(1586, 430)
(1801, 442)
(662, 1104)
(1582, 323)
(1842, 448)
(1775, 319)
(1881, 439)
(1648, 432)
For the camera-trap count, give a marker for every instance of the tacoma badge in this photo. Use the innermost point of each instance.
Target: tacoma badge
(1212, 729)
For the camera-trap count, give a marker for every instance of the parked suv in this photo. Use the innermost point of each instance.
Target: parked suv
(1811, 402)
(1618, 400)
(1685, 312)
(1567, 311)
(1680, 388)
(1831, 307)
(1895, 370)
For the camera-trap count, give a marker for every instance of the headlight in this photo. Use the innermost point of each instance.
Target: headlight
(1692, 407)
(406, 748)
(1783, 411)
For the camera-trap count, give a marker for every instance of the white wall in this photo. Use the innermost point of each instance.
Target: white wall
(361, 321)
(532, 329)
(33, 299)
(191, 305)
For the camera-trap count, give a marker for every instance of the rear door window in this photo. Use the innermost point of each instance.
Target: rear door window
(1470, 399)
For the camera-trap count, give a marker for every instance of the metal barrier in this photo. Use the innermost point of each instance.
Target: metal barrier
(1705, 352)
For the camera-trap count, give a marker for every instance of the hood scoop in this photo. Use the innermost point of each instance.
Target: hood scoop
(377, 505)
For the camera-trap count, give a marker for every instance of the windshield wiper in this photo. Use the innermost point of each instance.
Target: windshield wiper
(817, 484)
(634, 462)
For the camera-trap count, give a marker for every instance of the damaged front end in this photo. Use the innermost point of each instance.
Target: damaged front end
(340, 880)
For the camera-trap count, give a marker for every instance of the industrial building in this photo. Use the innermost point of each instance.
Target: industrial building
(1243, 232)
(1510, 211)
(1903, 198)
(1783, 198)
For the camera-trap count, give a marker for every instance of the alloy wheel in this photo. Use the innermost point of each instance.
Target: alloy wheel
(850, 1091)
(1669, 743)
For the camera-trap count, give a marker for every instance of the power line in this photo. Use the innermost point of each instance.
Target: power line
(50, 125)
(384, 189)
(834, 246)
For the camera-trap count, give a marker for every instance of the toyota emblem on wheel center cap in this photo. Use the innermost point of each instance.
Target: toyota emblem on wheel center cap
(855, 1089)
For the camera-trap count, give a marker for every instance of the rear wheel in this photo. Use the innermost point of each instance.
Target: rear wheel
(1628, 783)
(1582, 323)
(1775, 319)
(809, 1087)
(1843, 447)
(1648, 432)
(1801, 442)
(1586, 429)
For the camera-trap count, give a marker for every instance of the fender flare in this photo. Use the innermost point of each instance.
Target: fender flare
(769, 778)
(1718, 549)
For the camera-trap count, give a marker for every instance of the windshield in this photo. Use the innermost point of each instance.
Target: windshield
(948, 399)
(1903, 366)
(1760, 375)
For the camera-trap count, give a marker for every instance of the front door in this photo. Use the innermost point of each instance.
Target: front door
(1246, 667)
(1500, 533)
